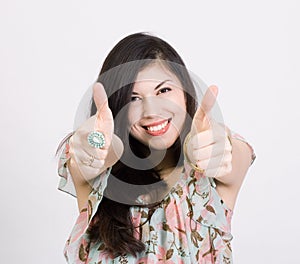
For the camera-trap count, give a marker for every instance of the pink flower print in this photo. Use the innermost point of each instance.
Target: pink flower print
(173, 216)
(80, 226)
(136, 220)
(175, 222)
(165, 256)
(146, 260)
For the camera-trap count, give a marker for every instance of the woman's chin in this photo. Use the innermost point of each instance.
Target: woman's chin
(159, 144)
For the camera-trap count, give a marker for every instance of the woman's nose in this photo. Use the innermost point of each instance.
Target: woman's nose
(151, 106)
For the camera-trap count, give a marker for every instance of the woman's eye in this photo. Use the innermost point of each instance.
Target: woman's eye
(135, 98)
(164, 90)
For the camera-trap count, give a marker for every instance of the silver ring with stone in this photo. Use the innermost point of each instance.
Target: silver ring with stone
(96, 139)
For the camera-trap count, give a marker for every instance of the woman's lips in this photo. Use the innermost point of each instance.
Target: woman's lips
(158, 128)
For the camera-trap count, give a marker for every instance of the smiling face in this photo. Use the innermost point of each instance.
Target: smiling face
(157, 110)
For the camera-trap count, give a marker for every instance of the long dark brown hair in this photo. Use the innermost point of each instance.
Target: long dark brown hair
(112, 224)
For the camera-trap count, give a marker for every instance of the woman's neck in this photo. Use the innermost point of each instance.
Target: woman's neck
(168, 165)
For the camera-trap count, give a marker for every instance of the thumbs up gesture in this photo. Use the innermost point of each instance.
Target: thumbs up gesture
(91, 160)
(208, 146)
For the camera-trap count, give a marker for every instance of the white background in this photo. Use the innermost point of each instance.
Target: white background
(52, 51)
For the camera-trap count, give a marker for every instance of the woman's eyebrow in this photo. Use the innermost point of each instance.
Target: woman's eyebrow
(159, 85)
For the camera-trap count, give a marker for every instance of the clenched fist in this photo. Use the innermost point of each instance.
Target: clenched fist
(92, 161)
(208, 146)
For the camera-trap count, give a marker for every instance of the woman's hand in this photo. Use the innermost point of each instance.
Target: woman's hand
(208, 146)
(92, 161)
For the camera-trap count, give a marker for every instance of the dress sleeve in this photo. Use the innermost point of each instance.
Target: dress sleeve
(66, 183)
(77, 244)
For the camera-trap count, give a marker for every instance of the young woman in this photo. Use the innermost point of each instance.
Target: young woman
(156, 178)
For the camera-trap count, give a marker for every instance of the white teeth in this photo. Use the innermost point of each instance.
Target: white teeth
(157, 128)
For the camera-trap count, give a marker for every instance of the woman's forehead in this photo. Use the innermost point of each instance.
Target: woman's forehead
(156, 72)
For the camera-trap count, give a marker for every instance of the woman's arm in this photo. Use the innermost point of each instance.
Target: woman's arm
(229, 185)
(87, 161)
(83, 183)
(210, 149)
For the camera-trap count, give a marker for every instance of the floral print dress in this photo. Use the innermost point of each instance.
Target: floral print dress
(190, 225)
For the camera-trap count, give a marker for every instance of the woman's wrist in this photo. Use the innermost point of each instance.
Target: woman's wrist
(186, 157)
(185, 150)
